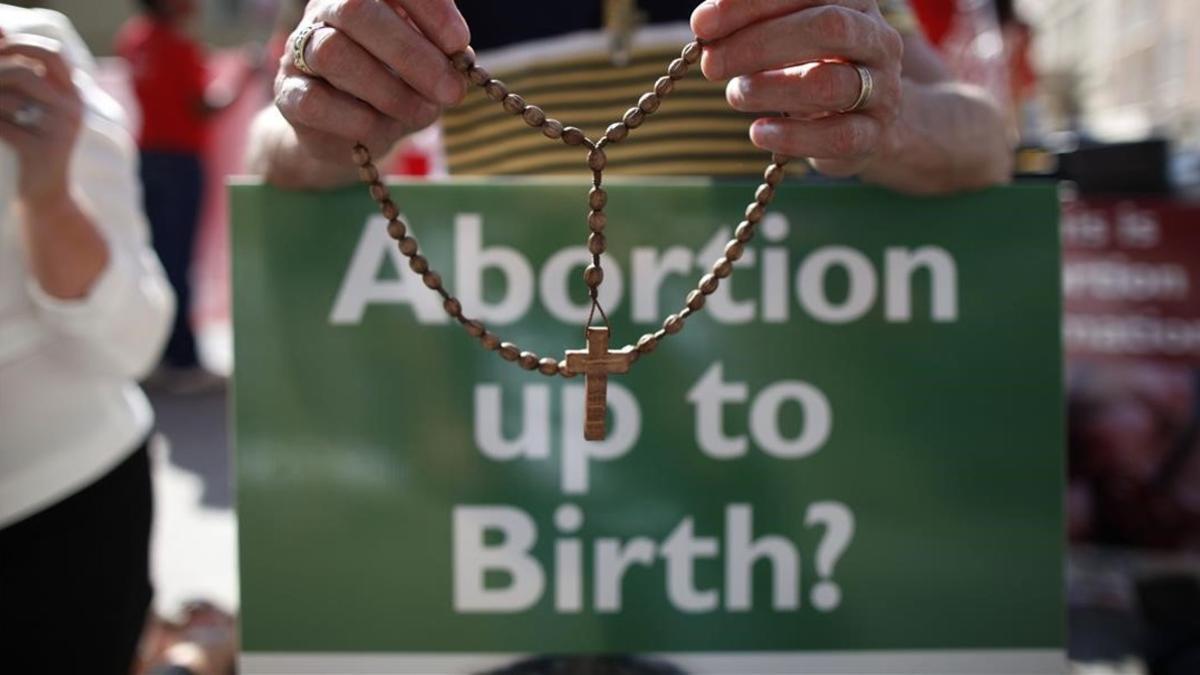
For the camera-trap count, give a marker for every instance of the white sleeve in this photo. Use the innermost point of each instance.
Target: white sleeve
(123, 321)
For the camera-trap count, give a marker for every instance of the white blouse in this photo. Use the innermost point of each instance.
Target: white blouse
(70, 407)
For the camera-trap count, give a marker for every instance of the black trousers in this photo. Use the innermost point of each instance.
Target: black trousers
(173, 184)
(75, 578)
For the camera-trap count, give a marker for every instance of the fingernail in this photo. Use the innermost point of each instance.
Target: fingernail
(742, 86)
(765, 134)
(706, 19)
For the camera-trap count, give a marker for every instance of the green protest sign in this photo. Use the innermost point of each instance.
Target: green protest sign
(850, 461)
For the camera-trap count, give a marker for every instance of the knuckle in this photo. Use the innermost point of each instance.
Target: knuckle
(892, 44)
(328, 52)
(835, 24)
(300, 102)
(893, 98)
(353, 9)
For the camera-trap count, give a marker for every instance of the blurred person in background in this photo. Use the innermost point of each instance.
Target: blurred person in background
(171, 82)
(375, 76)
(1022, 77)
(968, 35)
(84, 311)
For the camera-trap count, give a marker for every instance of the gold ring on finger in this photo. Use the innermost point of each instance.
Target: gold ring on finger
(866, 89)
(300, 45)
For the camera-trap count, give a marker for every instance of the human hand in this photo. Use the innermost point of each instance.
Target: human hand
(798, 57)
(380, 71)
(41, 112)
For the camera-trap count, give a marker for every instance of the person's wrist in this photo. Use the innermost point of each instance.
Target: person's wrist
(48, 205)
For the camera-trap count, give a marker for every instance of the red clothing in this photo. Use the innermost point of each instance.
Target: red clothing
(936, 17)
(169, 80)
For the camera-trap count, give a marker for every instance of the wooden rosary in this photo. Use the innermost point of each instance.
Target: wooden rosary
(597, 361)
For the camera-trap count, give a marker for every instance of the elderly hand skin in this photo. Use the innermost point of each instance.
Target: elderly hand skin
(65, 251)
(380, 75)
(794, 56)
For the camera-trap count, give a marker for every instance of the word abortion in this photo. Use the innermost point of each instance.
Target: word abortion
(868, 285)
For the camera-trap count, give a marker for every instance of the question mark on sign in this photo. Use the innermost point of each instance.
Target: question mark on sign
(839, 530)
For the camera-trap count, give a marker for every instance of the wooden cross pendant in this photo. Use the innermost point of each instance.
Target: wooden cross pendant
(595, 363)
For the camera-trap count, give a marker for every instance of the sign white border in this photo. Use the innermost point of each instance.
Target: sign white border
(943, 662)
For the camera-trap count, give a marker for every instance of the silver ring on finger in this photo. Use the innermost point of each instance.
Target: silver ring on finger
(300, 45)
(865, 91)
(29, 115)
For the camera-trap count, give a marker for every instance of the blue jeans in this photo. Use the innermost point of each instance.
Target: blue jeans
(174, 185)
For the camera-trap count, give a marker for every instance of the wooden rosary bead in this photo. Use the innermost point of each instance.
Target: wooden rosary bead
(692, 52)
(397, 229)
(647, 343)
(781, 160)
(664, 86)
(474, 328)
(573, 136)
(774, 174)
(563, 370)
(495, 90)
(678, 69)
(755, 212)
(764, 194)
(617, 132)
(534, 116)
(649, 103)
(634, 117)
(593, 276)
(722, 268)
(597, 160)
(673, 324)
(453, 307)
(530, 361)
(744, 232)
(389, 210)
(408, 246)
(709, 284)
(696, 300)
(379, 191)
(514, 104)
(463, 61)
(362, 156)
(490, 341)
(368, 173)
(552, 128)
(419, 264)
(509, 351)
(597, 198)
(548, 366)
(479, 76)
(433, 280)
(597, 244)
(734, 251)
(597, 221)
